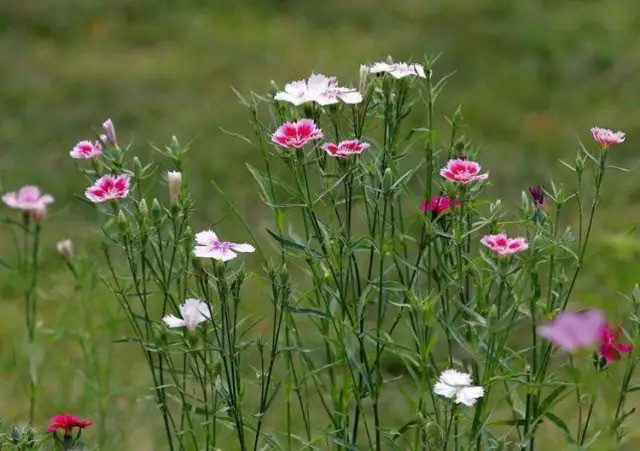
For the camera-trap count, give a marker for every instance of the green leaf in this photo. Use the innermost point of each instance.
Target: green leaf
(294, 248)
(561, 425)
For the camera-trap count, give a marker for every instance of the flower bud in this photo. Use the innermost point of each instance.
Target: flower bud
(175, 181)
(364, 75)
(123, 222)
(108, 135)
(65, 249)
(156, 209)
(387, 180)
(39, 213)
(143, 208)
(538, 196)
(137, 168)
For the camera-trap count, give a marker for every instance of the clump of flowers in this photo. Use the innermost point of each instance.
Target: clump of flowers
(320, 89)
(398, 70)
(295, 135)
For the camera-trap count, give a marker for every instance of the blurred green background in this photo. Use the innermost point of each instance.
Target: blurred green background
(532, 76)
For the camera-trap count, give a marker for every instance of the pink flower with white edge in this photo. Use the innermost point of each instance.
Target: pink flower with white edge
(398, 70)
(108, 187)
(607, 138)
(29, 199)
(462, 171)
(320, 89)
(192, 312)
(296, 134)
(208, 245)
(86, 150)
(504, 246)
(108, 135)
(345, 148)
(572, 331)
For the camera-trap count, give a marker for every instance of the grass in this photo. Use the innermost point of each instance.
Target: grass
(533, 77)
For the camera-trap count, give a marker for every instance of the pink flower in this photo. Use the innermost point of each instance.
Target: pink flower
(86, 150)
(209, 246)
(67, 423)
(438, 205)
(398, 70)
(609, 348)
(108, 187)
(192, 312)
(504, 246)
(320, 89)
(296, 134)
(108, 135)
(462, 171)
(607, 138)
(29, 199)
(345, 148)
(573, 331)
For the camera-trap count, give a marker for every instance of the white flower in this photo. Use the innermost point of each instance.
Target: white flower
(65, 248)
(175, 180)
(208, 245)
(398, 70)
(193, 312)
(320, 89)
(454, 384)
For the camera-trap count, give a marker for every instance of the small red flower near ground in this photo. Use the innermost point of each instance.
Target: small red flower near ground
(504, 246)
(609, 348)
(607, 138)
(438, 205)
(296, 134)
(66, 423)
(108, 187)
(345, 148)
(462, 171)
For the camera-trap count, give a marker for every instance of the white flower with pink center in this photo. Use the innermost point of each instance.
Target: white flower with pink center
(108, 187)
(208, 245)
(504, 246)
(86, 150)
(462, 171)
(320, 89)
(344, 149)
(398, 70)
(29, 199)
(192, 312)
(296, 134)
(606, 137)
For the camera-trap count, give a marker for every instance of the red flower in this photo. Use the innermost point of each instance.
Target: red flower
(345, 148)
(609, 348)
(438, 205)
(296, 134)
(462, 171)
(66, 423)
(108, 187)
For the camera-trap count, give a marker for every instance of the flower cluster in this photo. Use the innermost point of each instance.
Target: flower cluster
(320, 89)
(397, 70)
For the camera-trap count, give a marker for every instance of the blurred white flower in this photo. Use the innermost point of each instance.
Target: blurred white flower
(193, 312)
(175, 180)
(398, 70)
(454, 384)
(65, 248)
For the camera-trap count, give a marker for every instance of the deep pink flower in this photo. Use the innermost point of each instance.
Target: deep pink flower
(108, 187)
(86, 150)
(29, 199)
(538, 196)
(607, 138)
(571, 331)
(66, 423)
(345, 148)
(438, 205)
(296, 134)
(609, 348)
(208, 245)
(503, 245)
(462, 171)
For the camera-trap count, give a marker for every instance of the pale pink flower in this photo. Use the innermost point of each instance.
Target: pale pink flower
(192, 312)
(462, 171)
(108, 187)
(108, 135)
(208, 245)
(398, 70)
(504, 246)
(573, 331)
(345, 148)
(607, 138)
(86, 150)
(29, 199)
(296, 134)
(320, 89)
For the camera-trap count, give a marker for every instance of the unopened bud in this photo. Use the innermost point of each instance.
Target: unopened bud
(39, 213)
(387, 180)
(65, 249)
(123, 222)
(156, 209)
(175, 181)
(137, 168)
(364, 75)
(143, 208)
(108, 135)
(538, 196)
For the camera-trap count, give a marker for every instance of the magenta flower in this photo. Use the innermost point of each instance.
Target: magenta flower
(462, 171)
(210, 246)
(571, 331)
(67, 423)
(345, 148)
(504, 246)
(108, 187)
(609, 348)
(320, 89)
(607, 138)
(296, 134)
(86, 150)
(29, 199)
(438, 205)
(538, 196)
